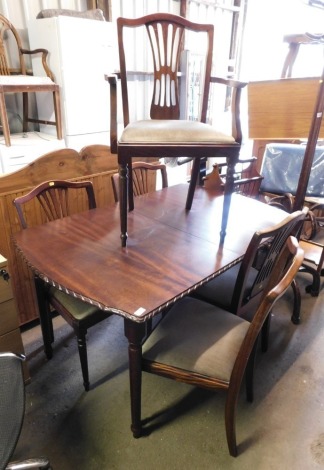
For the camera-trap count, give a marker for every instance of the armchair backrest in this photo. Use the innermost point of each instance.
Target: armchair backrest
(165, 34)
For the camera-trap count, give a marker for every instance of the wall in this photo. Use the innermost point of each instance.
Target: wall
(264, 51)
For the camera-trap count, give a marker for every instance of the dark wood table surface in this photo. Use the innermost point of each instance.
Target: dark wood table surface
(170, 251)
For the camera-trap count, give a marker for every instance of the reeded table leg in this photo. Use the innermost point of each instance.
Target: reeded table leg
(135, 333)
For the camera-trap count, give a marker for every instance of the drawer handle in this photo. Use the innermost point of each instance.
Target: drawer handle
(4, 274)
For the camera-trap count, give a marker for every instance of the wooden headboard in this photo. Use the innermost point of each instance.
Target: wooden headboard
(95, 163)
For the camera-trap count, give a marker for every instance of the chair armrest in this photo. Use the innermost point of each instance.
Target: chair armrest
(237, 87)
(44, 53)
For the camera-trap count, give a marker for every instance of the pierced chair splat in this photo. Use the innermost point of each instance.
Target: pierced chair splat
(163, 132)
(239, 288)
(55, 199)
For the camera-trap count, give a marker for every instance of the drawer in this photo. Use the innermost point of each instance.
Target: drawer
(8, 316)
(5, 289)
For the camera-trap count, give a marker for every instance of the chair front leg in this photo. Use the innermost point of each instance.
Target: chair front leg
(82, 347)
(25, 112)
(58, 114)
(123, 201)
(193, 182)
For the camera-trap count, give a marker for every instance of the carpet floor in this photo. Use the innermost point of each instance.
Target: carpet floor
(283, 429)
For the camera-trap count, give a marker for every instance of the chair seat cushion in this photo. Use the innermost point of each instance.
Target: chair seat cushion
(197, 336)
(24, 80)
(173, 131)
(77, 308)
(220, 290)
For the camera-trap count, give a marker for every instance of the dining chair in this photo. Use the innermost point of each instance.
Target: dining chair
(16, 78)
(165, 130)
(206, 346)
(238, 290)
(247, 180)
(142, 183)
(56, 199)
(12, 410)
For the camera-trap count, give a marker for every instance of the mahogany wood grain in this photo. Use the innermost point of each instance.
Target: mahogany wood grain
(170, 252)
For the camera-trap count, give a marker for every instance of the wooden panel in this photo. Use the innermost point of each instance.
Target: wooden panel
(94, 163)
(8, 316)
(282, 109)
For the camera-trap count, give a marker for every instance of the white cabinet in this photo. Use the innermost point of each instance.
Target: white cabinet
(81, 52)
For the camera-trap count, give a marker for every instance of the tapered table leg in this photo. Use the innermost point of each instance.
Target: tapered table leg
(44, 317)
(135, 332)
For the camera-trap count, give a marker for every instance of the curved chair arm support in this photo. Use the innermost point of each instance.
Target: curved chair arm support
(237, 87)
(44, 53)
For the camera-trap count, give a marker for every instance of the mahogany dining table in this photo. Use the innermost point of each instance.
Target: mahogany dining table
(170, 252)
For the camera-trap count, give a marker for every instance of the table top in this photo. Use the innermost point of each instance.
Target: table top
(170, 251)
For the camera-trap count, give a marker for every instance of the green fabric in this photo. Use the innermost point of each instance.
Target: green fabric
(78, 308)
(199, 337)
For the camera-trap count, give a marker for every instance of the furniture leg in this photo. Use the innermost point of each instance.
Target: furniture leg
(295, 318)
(58, 114)
(44, 317)
(228, 190)
(135, 332)
(123, 198)
(193, 181)
(25, 112)
(130, 186)
(82, 347)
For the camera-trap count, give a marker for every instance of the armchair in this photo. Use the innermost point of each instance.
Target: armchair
(16, 78)
(141, 181)
(165, 131)
(203, 345)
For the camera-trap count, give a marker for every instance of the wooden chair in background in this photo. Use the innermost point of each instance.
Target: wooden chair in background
(142, 183)
(16, 78)
(239, 288)
(54, 197)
